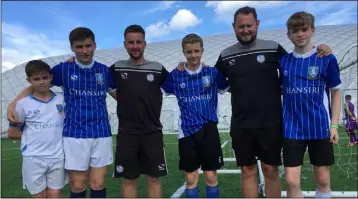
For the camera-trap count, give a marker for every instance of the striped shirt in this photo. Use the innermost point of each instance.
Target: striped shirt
(197, 96)
(306, 80)
(85, 89)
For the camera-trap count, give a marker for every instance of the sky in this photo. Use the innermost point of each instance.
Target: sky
(37, 29)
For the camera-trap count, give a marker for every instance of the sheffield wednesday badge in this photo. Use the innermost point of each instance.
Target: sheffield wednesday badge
(313, 72)
(260, 58)
(59, 108)
(150, 77)
(99, 78)
(206, 81)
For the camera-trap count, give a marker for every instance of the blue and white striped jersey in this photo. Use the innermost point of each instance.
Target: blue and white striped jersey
(85, 89)
(197, 96)
(306, 80)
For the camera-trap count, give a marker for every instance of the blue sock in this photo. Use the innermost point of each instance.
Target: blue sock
(192, 193)
(78, 195)
(212, 192)
(323, 195)
(98, 193)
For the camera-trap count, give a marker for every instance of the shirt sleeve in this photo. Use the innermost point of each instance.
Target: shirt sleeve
(164, 75)
(221, 66)
(333, 79)
(223, 85)
(111, 81)
(57, 75)
(281, 52)
(167, 86)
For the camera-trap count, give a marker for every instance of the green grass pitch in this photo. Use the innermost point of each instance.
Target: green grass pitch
(343, 174)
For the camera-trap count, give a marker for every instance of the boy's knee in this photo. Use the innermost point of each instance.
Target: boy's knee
(153, 181)
(249, 171)
(78, 186)
(129, 183)
(53, 193)
(292, 182)
(323, 181)
(211, 178)
(191, 179)
(270, 172)
(97, 183)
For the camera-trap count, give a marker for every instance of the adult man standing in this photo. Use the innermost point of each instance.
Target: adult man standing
(140, 147)
(256, 125)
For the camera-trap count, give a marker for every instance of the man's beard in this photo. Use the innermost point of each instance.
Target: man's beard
(136, 57)
(246, 43)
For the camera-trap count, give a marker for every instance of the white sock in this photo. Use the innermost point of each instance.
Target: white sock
(323, 195)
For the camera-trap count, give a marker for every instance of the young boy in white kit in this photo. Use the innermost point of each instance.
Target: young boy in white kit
(42, 113)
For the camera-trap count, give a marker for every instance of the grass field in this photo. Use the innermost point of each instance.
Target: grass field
(343, 174)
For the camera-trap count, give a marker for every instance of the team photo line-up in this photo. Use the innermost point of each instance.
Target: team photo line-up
(66, 137)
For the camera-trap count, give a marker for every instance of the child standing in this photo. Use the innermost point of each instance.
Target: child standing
(42, 113)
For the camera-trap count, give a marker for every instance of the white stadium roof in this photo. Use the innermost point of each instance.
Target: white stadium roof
(341, 38)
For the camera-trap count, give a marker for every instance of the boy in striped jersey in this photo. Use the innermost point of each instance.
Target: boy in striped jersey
(351, 120)
(311, 107)
(199, 143)
(87, 133)
(41, 112)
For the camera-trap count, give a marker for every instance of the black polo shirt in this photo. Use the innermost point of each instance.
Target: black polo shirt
(139, 98)
(253, 76)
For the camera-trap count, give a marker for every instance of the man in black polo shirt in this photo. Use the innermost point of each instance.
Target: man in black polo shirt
(256, 124)
(140, 147)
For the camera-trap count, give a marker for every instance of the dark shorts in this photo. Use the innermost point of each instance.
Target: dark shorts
(262, 143)
(201, 150)
(320, 152)
(140, 154)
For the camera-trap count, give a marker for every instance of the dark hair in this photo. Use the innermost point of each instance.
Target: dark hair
(80, 34)
(299, 20)
(348, 97)
(191, 39)
(36, 66)
(134, 29)
(246, 11)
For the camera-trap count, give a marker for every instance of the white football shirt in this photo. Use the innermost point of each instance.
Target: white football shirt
(43, 125)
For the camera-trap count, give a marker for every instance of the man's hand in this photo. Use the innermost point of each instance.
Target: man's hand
(71, 59)
(11, 115)
(323, 50)
(334, 136)
(353, 118)
(180, 66)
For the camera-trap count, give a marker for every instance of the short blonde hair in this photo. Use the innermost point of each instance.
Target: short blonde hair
(191, 39)
(300, 19)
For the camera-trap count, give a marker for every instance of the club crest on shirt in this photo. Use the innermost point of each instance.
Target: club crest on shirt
(206, 81)
(313, 72)
(260, 58)
(99, 78)
(150, 77)
(59, 108)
